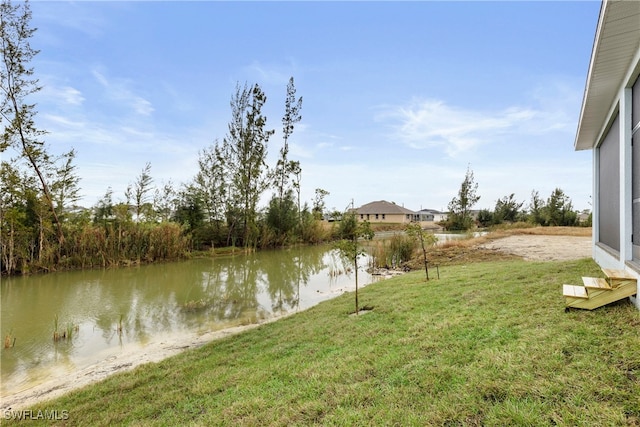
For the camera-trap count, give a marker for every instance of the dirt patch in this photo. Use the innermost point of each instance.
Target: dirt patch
(542, 248)
(535, 244)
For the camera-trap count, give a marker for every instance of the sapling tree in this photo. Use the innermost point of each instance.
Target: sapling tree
(351, 232)
(415, 231)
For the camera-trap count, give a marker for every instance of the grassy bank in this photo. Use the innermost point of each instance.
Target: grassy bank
(487, 344)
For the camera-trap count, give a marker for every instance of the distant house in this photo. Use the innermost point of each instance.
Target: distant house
(431, 215)
(609, 125)
(383, 211)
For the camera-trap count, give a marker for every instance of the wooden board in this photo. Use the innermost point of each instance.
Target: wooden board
(595, 283)
(618, 274)
(574, 291)
(602, 297)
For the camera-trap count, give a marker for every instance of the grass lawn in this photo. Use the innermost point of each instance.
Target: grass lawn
(487, 344)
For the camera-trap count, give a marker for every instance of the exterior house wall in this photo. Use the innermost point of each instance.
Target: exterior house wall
(610, 126)
(431, 216)
(383, 211)
(391, 218)
(635, 167)
(616, 212)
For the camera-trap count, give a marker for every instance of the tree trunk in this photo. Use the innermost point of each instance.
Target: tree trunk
(355, 264)
(424, 256)
(36, 168)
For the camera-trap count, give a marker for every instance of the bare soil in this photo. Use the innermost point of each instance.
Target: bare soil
(533, 244)
(542, 248)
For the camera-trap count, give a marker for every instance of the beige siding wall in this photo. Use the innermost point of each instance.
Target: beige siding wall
(394, 218)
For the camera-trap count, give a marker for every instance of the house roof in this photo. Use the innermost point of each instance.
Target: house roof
(383, 207)
(616, 44)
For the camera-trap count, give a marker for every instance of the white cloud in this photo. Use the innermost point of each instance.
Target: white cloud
(271, 74)
(59, 95)
(119, 91)
(69, 95)
(61, 121)
(433, 123)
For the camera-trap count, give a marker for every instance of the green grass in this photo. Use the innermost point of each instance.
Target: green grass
(487, 344)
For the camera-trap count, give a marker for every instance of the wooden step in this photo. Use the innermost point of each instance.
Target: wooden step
(597, 298)
(617, 278)
(573, 291)
(595, 283)
(618, 274)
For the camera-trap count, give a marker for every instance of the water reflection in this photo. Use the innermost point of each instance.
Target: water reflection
(115, 308)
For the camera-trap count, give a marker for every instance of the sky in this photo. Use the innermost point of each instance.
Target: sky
(400, 99)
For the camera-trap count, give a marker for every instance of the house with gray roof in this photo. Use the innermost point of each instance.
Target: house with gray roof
(431, 215)
(383, 211)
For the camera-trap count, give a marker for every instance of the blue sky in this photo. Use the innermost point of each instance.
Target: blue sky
(399, 98)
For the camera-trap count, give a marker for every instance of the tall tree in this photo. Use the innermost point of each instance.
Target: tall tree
(507, 209)
(103, 210)
(211, 184)
(460, 206)
(65, 187)
(559, 210)
(164, 201)
(318, 203)
(290, 118)
(285, 167)
(536, 208)
(17, 82)
(17, 222)
(141, 191)
(245, 149)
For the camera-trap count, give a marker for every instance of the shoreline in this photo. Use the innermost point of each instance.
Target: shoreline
(533, 248)
(161, 347)
(136, 355)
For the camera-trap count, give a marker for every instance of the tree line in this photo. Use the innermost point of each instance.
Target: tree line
(556, 210)
(43, 229)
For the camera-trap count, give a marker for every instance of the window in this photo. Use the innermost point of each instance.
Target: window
(382, 216)
(609, 187)
(376, 216)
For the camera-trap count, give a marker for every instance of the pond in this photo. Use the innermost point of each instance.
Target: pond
(97, 313)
